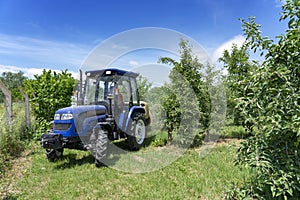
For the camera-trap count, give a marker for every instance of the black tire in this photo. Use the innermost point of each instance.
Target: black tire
(54, 154)
(92, 142)
(101, 147)
(137, 133)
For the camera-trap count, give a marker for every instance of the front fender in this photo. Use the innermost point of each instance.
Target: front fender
(90, 123)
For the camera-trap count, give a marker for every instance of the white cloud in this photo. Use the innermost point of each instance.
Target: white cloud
(238, 40)
(41, 51)
(133, 63)
(30, 72)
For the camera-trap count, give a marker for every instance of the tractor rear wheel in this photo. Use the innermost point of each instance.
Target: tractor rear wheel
(137, 133)
(101, 147)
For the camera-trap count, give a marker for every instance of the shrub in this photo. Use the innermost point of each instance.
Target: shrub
(159, 138)
(49, 92)
(38, 128)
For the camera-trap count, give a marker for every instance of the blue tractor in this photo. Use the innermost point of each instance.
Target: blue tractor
(109, 109)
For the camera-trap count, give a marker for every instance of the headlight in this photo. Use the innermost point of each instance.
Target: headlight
(57, 117)
(66, 116)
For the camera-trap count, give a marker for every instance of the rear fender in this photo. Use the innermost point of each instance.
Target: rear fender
(133, 110)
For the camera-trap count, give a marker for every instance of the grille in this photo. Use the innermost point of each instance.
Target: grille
(62, 127)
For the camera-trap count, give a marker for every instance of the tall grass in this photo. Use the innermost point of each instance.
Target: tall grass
(10, 141)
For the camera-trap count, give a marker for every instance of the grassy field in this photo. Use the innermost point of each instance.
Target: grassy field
(193, 176)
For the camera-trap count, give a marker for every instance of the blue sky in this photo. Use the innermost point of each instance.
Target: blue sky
(59, 34)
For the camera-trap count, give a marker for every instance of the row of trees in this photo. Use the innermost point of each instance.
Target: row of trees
(265, 99)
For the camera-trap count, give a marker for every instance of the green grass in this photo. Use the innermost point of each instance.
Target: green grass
(193, 176)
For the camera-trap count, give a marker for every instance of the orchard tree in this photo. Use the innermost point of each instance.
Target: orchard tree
(50, 91)
(240, 69)
(186, 97)
(218, 103)
(273, 107)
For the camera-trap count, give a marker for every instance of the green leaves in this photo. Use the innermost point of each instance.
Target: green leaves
(143, 87)
(291, 11)
(49, 92)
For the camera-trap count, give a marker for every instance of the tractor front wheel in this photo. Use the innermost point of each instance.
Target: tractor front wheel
(101, 147)
(53, 154)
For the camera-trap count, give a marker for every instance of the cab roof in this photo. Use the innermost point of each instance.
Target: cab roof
(110, 72)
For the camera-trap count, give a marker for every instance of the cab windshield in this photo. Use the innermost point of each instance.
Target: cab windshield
(97, 90)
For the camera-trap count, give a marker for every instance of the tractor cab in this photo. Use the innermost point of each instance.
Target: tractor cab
(116, 90)
(117, 86)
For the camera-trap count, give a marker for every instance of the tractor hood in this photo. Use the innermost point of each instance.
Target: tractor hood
(71, 121)
(77, 111)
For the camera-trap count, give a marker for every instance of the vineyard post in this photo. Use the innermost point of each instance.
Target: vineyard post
(8, 104)
(27, 107)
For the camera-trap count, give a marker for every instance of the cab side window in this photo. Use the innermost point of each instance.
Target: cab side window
(134, 91)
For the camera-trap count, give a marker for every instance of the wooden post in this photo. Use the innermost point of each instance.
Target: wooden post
(8, 104)
(27, 107)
